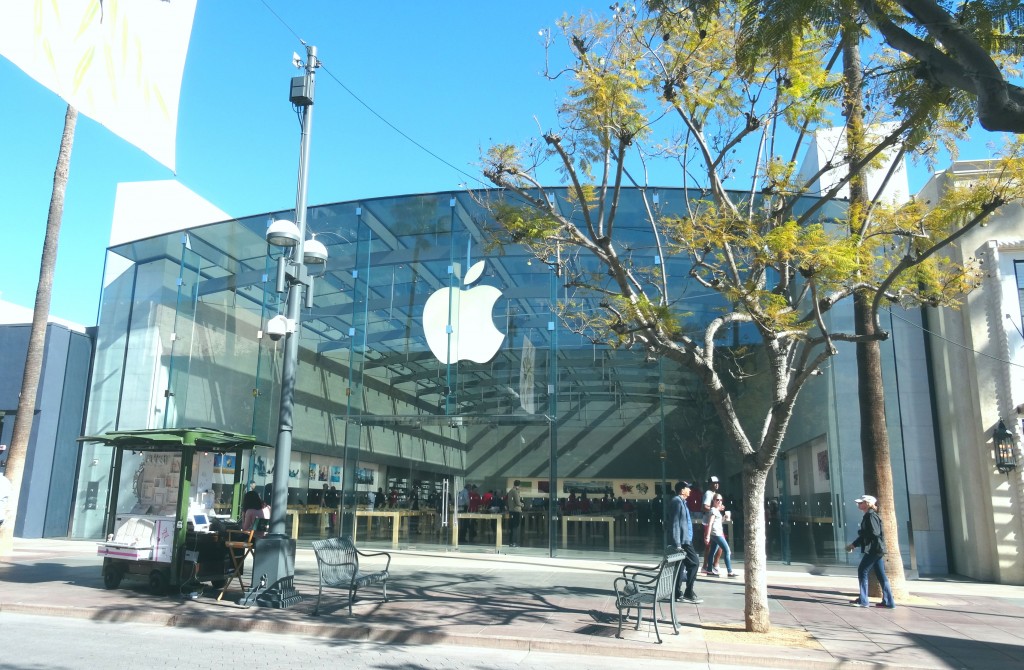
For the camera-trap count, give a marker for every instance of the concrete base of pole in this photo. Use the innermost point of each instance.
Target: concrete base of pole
(273, 566)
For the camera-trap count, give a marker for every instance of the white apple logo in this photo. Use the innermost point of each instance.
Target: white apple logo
(470, 316)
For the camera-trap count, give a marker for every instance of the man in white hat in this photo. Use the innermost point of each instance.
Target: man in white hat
(871, 541)
(710, 561)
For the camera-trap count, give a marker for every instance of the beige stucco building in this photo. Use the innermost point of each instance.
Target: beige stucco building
(977, 376)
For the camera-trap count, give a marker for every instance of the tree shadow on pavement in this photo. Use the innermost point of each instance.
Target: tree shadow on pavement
(463, 600)
(811, 595)
(38, 573)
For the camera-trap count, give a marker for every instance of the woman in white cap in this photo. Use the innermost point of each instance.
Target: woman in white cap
(872, 545)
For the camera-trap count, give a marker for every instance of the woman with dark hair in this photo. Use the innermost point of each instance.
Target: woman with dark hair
(252, 507)
(871, 541)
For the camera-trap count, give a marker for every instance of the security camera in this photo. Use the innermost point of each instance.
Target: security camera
(277, 327)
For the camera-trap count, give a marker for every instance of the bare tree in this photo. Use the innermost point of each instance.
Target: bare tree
(777, 263)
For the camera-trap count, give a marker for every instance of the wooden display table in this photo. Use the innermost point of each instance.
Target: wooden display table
(394, 514)
(323, 514)
(477, 515)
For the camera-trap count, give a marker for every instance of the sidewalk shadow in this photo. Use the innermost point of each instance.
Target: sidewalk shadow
(40, 573)
(810, 595)
(968, 653)
(464, 600)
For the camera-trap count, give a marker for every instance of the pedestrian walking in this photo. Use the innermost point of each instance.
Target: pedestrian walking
(5, 493)
(871, 541)
(714, 534)
(681, 528)
(711, 555)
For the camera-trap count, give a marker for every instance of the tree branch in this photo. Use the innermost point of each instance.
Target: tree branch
(966, 67)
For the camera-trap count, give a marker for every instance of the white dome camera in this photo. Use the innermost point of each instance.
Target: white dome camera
(277, 327)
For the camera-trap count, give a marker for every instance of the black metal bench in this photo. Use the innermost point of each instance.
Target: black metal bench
(337, 560)
(641, 587)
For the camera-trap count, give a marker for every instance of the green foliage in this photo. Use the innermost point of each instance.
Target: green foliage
(728, 92)
(525, 224)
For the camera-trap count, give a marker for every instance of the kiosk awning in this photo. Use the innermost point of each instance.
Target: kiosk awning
(169, 439)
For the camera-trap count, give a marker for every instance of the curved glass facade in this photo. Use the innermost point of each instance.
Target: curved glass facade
(590, 430)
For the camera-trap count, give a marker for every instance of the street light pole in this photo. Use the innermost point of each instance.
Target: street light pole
(274, 555)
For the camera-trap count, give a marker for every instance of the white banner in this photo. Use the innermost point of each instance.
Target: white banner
(119, 62)
(526, 367)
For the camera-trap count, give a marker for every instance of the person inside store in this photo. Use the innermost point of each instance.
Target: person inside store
(331, 501)
(515, 515)
(871, 541)
(681, 530)
(462, 501)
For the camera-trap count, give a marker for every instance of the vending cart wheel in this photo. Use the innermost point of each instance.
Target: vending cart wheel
(112, 577)
(158, 582)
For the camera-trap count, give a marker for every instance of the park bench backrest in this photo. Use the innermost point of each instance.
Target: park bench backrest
(666, 586)
(338, 559)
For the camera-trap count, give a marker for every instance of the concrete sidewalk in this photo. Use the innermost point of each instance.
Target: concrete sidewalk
(534, 603)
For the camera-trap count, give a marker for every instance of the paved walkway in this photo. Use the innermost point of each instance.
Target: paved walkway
(533, 603)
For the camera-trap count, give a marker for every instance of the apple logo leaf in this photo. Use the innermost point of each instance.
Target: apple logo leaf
(474, 273)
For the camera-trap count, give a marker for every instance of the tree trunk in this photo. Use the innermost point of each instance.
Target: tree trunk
(874, 438)
(874, 443)
(37, 337)
(755, 557)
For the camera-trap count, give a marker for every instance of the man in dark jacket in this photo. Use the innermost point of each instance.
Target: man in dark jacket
(872, 544)
(515, 515)
(681, 529)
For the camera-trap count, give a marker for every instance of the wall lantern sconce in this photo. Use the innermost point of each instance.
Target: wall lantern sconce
(1003, 442)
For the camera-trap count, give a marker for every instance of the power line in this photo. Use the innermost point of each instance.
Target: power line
(368, 107)
(956, 344)
(396, 129)
(283, 22)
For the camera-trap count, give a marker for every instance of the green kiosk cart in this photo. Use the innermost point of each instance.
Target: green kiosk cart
(170, 533)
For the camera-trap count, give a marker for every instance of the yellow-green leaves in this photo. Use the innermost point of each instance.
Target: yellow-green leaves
(525, 224)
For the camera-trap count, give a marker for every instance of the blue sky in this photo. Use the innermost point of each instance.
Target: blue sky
(455, 76)
(449, 74)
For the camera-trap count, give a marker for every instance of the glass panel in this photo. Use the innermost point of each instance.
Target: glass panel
(595, 434)
(180, 346)
(1018, 269)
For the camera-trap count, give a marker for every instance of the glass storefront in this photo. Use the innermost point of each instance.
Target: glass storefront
(398, 414)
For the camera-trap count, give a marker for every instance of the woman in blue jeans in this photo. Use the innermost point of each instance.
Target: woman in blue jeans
(714, 535)
(871, 541)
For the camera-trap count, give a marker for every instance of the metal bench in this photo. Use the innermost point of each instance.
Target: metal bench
(337, 560)
(641, 587)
